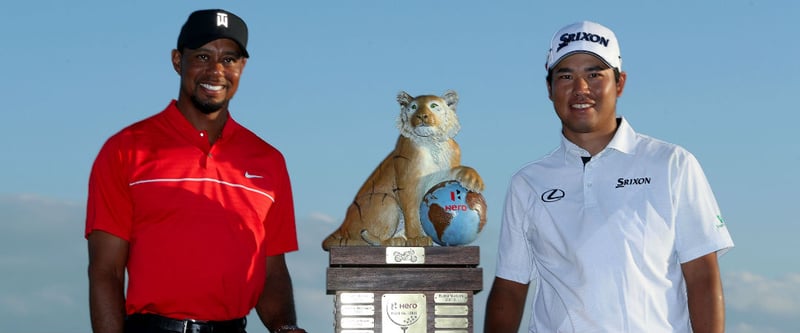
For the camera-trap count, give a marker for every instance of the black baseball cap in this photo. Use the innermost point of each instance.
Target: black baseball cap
(206, 25)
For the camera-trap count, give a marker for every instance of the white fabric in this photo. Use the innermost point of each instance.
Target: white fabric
(606, 256)
(585, 37)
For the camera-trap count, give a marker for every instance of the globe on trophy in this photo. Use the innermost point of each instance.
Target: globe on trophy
(452, 215)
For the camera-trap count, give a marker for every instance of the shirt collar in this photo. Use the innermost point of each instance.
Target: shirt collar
(183, 126)
(624, 141)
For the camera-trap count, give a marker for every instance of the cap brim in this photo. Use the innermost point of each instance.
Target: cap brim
(197, 43)
(565, 55)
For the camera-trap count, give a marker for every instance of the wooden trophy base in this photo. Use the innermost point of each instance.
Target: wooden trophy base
(404, 289)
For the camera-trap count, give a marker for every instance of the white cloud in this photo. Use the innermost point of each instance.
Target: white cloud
(324, 218)
(15, 306)
(757, 303)
(58, 295)
(749, 328)
(43, 265)
(750, 292)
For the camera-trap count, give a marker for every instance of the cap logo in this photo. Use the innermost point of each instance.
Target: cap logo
(222, 20)
(581, 36)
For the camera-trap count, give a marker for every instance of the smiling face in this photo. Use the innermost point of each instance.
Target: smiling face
(584, 94)
(209, 74)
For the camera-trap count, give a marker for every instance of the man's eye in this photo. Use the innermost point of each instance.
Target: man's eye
(565, 77)
(594, 75)
(202, 57)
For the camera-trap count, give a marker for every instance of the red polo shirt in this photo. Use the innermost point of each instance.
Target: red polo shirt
(200, 219)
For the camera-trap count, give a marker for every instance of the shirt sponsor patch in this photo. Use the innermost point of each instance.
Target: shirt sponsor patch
(622, 182)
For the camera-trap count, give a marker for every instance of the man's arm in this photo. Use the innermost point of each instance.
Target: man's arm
(276, 304)
(505, 306)
(108, 255)
(704, 290)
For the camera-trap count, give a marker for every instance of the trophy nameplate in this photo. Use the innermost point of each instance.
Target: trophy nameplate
(451, 322)
(451, 298)
(357, 310)
(357, 322)
(405, 255)
(451, 310)
(356, 298)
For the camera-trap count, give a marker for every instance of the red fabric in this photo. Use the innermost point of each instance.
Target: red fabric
(200, 219)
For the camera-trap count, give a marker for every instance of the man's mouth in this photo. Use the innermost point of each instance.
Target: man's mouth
(581, 106)
(211, 87)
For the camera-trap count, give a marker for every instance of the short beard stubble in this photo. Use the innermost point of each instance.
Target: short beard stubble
(207, 107)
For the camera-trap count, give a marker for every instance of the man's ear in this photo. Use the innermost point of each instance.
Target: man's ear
(549, 89)
(176, 61)
(621, 84)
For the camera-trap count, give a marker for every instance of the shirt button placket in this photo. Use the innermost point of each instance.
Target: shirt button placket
(590, 199)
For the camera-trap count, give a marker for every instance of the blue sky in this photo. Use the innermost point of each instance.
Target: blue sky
(717, 77)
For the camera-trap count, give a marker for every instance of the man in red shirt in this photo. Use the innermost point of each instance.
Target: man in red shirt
(197, 208)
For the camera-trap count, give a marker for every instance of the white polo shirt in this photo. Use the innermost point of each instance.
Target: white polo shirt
(604, 241)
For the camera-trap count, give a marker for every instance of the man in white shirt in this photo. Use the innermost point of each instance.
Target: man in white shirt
(618, 231)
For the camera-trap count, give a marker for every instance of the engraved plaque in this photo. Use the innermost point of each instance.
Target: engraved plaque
(404, 313)
(357, 310)
(457, 298)
(357, 322)
(405, 255)
(355, 298)
(454, 322)
(451, 310)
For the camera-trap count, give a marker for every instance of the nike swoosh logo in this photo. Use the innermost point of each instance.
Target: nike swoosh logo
(250, 175)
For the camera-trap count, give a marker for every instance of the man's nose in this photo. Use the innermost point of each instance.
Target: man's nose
(215, 67)
(580, 86)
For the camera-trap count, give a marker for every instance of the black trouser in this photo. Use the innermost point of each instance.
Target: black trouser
(150, 323)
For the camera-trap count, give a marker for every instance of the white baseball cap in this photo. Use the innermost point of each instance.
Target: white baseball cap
(584, 37)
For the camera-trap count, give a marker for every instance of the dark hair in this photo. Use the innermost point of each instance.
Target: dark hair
(550, 76)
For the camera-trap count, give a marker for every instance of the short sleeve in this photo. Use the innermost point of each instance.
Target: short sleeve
(109, 206)
(280, 225)
(514, 258)
(700, 226)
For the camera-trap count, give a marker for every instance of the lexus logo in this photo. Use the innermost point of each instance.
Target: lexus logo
(552, 195)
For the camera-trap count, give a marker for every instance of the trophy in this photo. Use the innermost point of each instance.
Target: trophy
(399, 262)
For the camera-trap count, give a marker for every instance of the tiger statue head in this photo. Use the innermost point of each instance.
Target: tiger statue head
(428, 118)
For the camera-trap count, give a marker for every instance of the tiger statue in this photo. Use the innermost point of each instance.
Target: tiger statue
(385, 211)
